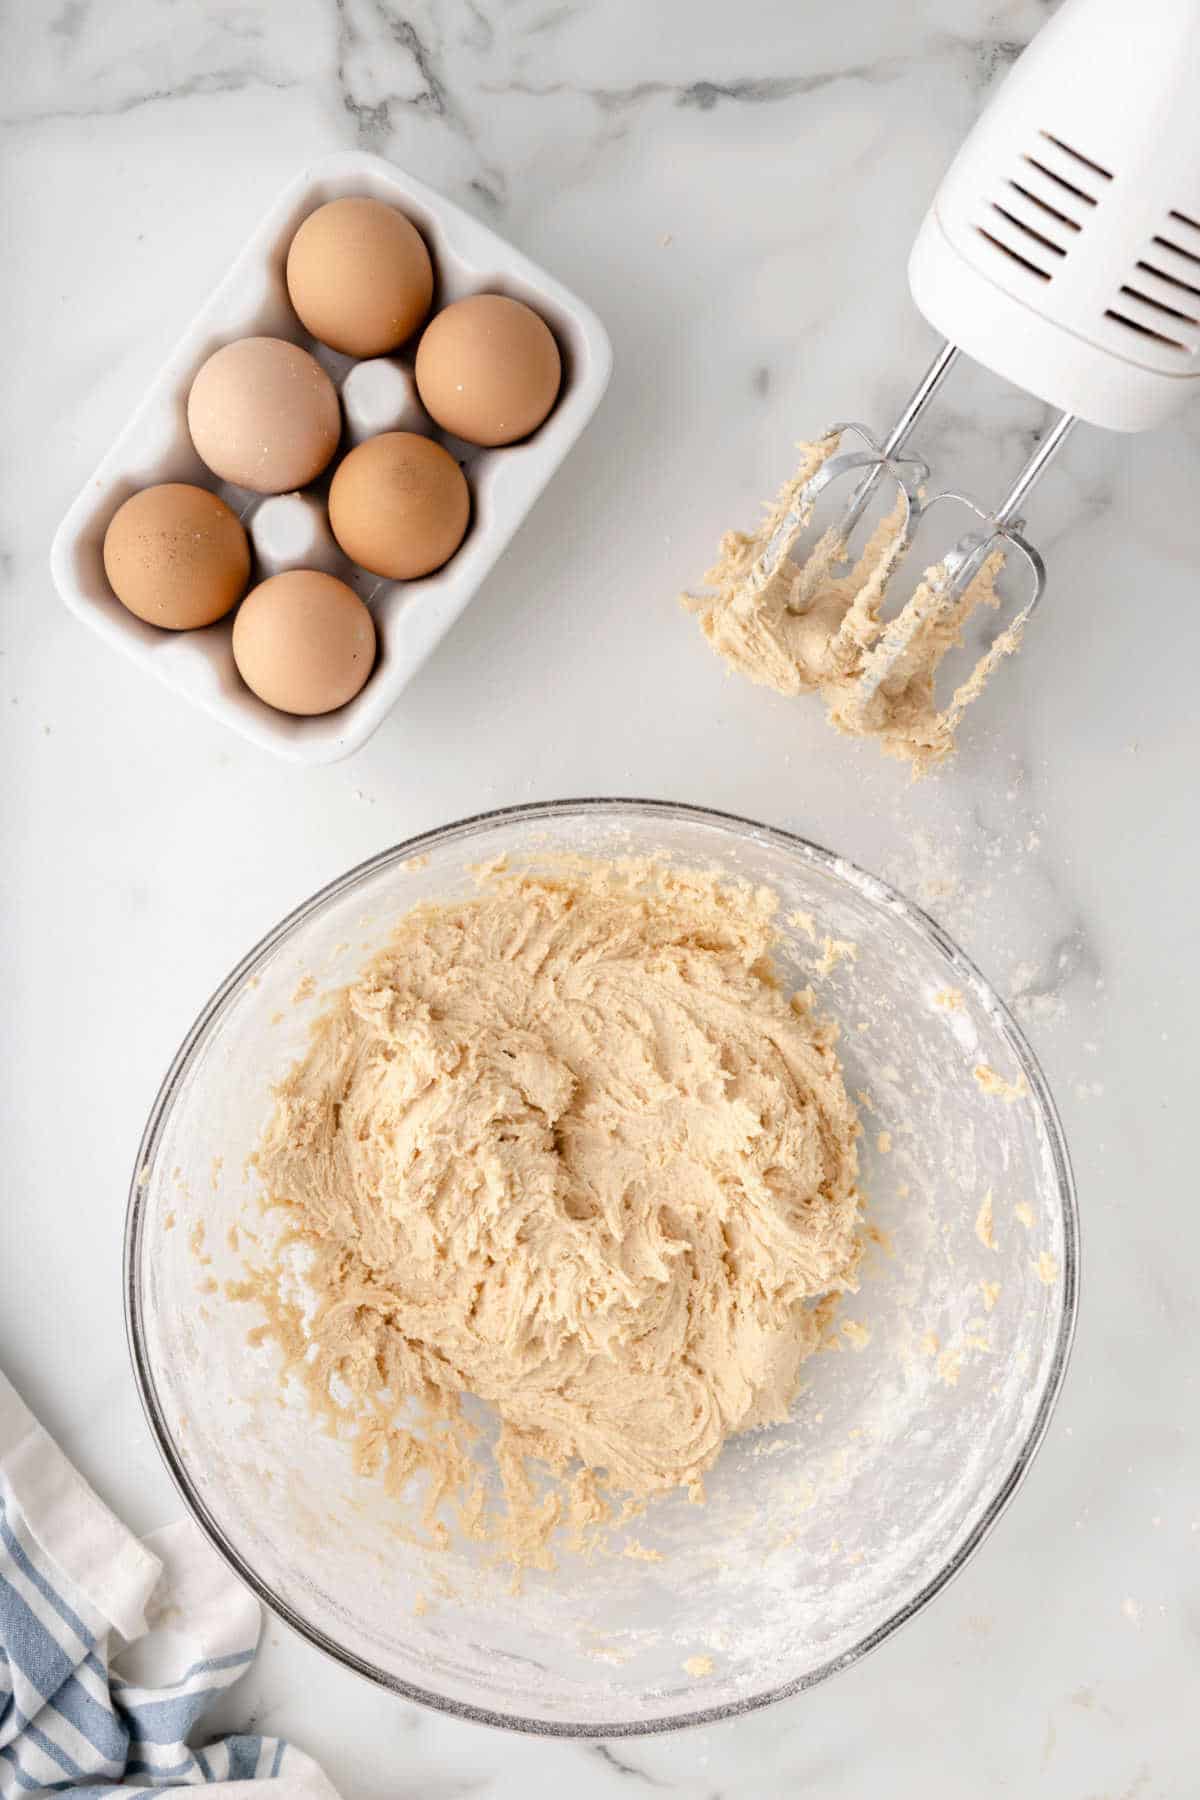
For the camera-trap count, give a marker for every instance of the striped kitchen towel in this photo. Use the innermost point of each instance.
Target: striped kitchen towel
(111, 1648)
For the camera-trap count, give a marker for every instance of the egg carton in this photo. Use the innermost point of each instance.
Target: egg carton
(411, 617)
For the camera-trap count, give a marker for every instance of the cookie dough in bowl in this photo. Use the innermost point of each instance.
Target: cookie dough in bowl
(601, 1266)
(566, 1147)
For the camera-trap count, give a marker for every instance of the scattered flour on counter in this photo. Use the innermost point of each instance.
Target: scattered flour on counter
(1034, 1005)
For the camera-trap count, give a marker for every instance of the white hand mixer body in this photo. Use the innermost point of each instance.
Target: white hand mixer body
(1062, 249)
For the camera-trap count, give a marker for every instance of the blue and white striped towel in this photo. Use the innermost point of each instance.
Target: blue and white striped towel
(78, 1595)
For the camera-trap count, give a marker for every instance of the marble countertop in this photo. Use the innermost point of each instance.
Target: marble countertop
(734, 189)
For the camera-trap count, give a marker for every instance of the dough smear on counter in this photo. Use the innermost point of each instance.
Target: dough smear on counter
(814, 629)
(566, 1146)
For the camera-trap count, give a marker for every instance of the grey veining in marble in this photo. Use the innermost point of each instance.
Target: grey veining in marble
(734, 187)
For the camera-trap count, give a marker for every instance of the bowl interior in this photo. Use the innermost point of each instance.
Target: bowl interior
(816, 1538)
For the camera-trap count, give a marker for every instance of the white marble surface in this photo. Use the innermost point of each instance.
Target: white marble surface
(734, 189)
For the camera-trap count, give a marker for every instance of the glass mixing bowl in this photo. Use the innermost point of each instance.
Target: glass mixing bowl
(817, 1538)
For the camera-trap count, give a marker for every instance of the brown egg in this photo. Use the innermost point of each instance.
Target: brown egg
(304, 642)
(359, 276)
(488, 369)
(399, 505)
(263, 413)
(176, 556)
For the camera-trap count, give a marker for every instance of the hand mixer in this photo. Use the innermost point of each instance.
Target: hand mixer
(1061, 251)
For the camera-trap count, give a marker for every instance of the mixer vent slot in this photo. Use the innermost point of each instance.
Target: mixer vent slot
(1014, 255)
(1060, 182)
(1189, 288)
(1146, 331)
(1077, 156)
(1185, 242)
(1028, 231)
(1045, 205)
(1160, 300)
(1168, 312)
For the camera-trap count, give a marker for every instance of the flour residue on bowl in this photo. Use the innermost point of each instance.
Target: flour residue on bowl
(567, 1147)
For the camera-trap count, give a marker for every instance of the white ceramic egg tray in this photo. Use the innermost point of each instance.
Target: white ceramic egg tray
(410, 617)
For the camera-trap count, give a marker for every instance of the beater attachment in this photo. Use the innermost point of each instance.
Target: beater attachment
(874, 656)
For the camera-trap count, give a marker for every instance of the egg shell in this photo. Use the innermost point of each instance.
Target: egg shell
(399, 505)
(359, 276)
(488, 369)
(176, 556)
(304, 642)
(264, 414)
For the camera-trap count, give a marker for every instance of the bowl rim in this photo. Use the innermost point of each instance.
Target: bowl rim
(840, 868)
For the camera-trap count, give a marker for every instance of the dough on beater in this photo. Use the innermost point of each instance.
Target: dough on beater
(813, 630)
(565, 1145)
